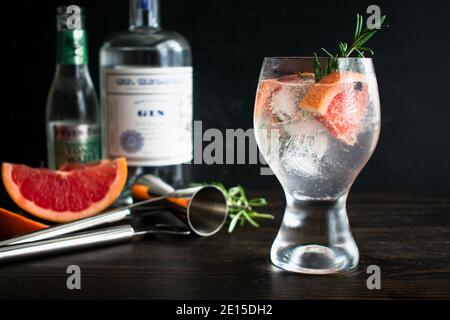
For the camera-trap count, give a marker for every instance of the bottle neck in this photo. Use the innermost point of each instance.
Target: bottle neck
(72, 42)
(72, 48)
(144, 14)
(72, 71)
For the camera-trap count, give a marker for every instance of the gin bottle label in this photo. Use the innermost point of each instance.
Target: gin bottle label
(149, 115)
(76, 143)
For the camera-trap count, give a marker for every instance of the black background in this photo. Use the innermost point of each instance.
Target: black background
(229, 40)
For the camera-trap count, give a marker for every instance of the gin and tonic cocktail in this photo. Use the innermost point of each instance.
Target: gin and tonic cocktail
(316, 131)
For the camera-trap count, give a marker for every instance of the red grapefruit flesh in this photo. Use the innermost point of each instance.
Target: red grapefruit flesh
(339, 101)
(62, 196)
(13, 224)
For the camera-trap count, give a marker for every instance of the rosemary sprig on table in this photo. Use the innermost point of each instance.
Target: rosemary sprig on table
(240, 208)
(361, 36)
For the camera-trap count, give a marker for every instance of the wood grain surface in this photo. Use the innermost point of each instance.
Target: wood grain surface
(407, 235)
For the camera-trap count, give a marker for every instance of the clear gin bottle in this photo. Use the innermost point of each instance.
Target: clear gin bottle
(146, 94)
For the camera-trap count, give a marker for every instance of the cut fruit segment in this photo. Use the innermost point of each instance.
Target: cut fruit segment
(266, 90)
(339, 101)
(62, 196)
(13, 224)
(273, 102)
(343, 77)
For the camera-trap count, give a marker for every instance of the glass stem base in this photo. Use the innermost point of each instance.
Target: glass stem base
(315, 237)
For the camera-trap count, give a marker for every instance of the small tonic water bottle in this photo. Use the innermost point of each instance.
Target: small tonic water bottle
(73, 112)
(146, 93)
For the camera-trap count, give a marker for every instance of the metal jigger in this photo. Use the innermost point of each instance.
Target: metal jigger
(204, 216)
(202, 209)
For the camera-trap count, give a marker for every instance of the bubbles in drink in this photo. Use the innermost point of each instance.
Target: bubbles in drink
(323, 132)
(284, 102)
(305, 148)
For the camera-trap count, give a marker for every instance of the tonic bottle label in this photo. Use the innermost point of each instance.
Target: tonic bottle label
(149, 115)
(77, 143)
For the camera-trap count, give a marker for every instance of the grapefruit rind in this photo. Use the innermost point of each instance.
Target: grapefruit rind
(266, 89)
(320, 96)
(13, 224)
(115, 189)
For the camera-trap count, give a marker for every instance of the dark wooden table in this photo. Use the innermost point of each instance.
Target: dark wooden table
(408, 236)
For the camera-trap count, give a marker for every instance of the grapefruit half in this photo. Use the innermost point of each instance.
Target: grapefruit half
(63, 196)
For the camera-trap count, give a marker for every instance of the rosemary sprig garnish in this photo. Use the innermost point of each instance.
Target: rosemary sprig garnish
(240, 208)
(361, 36)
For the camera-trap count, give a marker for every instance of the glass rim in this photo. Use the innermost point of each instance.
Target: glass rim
(312, 57)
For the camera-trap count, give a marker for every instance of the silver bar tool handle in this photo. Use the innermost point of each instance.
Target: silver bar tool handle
(65, 244)
(51, 232)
